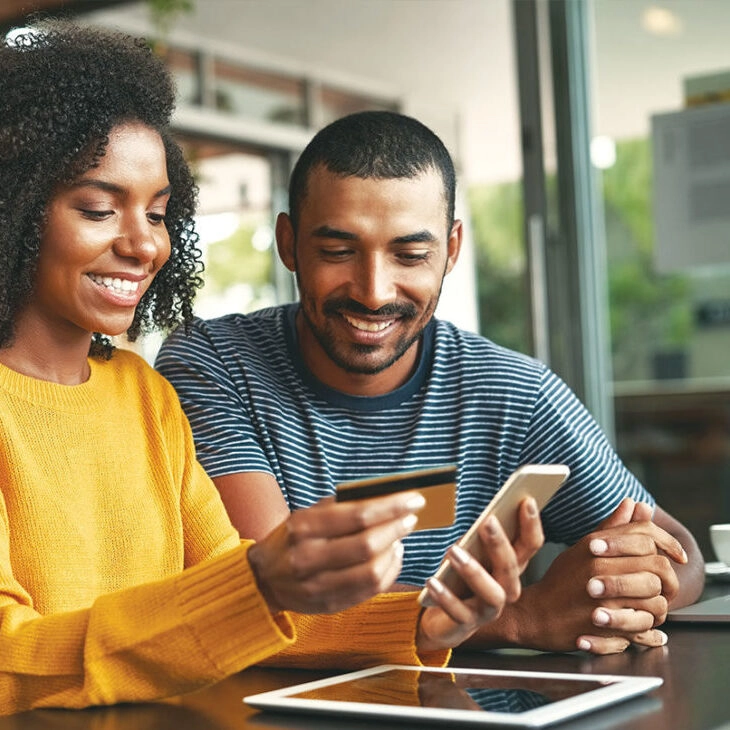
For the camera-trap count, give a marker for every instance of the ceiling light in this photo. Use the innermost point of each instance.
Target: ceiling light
(603, 152)
(661, 21)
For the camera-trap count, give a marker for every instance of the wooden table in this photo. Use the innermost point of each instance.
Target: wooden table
(695, 666)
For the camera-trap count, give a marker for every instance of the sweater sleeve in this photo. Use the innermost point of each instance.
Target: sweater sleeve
(379, 631)
(138, 644)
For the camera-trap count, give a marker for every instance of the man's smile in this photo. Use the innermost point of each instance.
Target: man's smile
(368, 325)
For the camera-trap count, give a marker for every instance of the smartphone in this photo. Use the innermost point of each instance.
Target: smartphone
(539, 481)
(436, 484)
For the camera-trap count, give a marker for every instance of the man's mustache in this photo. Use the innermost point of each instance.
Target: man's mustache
(350, 306)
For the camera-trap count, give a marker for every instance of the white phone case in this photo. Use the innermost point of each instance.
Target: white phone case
(539, 481)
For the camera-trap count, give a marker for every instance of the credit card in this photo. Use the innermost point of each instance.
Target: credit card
(436, 484)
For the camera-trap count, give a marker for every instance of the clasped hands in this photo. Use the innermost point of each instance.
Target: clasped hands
(333, 555)
(608, 591)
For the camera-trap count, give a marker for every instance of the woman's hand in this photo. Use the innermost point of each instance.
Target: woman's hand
(335, 554)
(451, 620)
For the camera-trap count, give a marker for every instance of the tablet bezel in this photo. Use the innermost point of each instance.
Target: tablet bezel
(623, 688)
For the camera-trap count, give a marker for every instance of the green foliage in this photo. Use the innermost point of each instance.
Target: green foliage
(163, 13)
(627, 193)
(234, 259)
(496, 219)
(646, 308)
(648, 311)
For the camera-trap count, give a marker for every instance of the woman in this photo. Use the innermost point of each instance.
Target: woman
(121, 577)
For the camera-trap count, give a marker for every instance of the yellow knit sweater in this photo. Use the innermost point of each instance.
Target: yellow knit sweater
(121, 577)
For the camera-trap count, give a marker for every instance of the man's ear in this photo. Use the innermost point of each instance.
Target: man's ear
(285, 241)
(453, 245)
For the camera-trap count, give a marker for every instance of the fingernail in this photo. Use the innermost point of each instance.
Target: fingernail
(596, 587)
(598, 546)
(460, 555)
(685, 558)
(409, 522)
(415, 502)
(601, 617)
(584, 644)
(532, 507)
(664, 637)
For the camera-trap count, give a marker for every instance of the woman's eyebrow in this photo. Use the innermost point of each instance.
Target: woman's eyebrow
(109, 187)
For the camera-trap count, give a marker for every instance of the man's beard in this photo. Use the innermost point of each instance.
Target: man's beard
(328, 342)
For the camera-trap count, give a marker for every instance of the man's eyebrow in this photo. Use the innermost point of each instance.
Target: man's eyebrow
(329, 232)
(424, 236)
(109, 187)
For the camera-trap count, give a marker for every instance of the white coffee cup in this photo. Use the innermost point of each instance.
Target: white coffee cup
(720, 539)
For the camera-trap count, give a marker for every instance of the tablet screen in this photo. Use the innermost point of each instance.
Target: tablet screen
(451, 694)
(468, 691)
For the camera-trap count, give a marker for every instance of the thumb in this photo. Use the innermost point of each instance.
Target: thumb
(622, 515)
(642, 512)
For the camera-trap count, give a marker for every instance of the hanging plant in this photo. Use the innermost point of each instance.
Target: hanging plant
(163, 13)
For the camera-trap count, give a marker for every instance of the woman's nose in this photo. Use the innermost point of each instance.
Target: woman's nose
(138, 240)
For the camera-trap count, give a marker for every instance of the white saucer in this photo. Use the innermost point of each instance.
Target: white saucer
(717, 571)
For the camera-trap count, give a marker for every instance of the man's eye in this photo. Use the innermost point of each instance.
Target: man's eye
(414, 258)
(338, 253)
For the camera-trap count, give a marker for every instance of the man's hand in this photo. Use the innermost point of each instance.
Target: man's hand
(620, 594)
(452, 620)
(333, 555)
(609, 590)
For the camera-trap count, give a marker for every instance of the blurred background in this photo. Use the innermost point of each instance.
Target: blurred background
(592, 142)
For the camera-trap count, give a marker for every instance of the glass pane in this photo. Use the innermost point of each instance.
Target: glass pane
(669, 309)
(499, 252)
(185, 70)
(337, 103)
(234, 222)
(252, 93)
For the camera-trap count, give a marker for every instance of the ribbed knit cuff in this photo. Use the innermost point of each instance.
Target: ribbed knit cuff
(223, 607)
(379, 631)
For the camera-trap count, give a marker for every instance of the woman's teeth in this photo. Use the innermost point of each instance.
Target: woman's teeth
(124, 286)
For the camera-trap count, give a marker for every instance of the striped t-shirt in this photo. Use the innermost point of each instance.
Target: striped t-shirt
(254, 407)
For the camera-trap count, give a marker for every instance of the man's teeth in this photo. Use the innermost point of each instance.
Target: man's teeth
(362, 324)
(120, 285)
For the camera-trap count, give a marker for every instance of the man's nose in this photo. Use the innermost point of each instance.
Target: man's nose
(375, 283)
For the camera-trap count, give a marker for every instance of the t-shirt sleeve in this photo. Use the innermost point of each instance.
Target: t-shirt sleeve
(563, 431)
(226, 438)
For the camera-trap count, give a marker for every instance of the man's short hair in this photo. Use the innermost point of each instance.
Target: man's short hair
(373, 144)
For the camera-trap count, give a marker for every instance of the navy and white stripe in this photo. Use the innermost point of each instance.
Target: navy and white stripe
(253, 406)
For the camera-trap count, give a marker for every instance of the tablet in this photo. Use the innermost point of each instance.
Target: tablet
(456, 696)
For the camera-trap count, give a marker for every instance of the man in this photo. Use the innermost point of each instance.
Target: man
(359, 379)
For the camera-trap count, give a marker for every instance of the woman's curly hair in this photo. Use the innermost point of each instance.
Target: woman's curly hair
(63, 88)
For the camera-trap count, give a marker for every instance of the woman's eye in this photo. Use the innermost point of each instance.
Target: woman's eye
(156, 218)
(96, 215)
